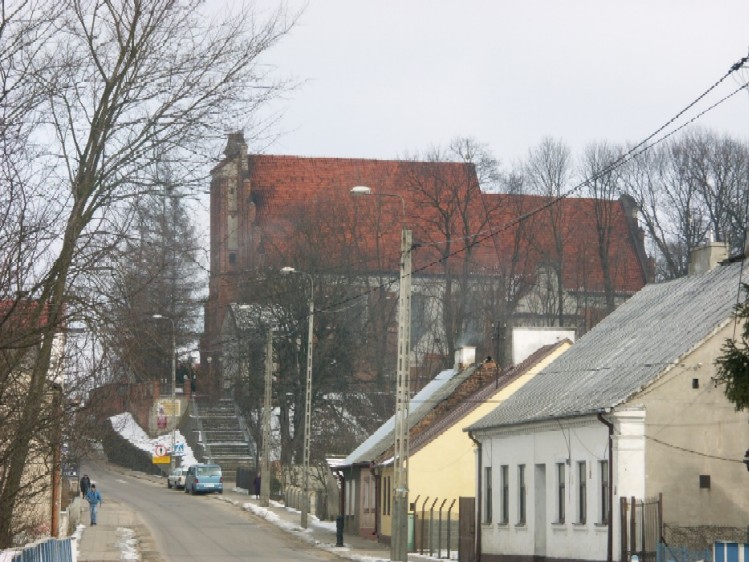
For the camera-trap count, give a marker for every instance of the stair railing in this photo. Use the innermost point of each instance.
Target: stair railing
(201, 432)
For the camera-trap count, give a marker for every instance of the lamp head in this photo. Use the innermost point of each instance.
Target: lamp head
(361, 190)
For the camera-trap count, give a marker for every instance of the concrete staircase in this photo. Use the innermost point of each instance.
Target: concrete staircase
(225, 442)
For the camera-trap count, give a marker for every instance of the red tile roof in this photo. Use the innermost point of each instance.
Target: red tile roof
(287, 188)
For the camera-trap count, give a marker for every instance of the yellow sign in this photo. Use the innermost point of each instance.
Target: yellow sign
(166, 459)
(168, 407)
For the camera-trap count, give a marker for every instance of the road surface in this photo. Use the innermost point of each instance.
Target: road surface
(183, 528)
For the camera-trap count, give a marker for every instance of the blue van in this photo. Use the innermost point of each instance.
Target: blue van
(204, 478)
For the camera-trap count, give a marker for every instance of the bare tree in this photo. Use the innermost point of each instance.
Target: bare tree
(459, 214)
(693, 189)
(107, 86)
(548, 171)
(598, 167)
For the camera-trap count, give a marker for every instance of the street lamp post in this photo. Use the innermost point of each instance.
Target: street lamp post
(399, 539)
(174, 382)
(307, 393)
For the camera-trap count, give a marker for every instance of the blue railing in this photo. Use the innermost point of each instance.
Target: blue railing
(682, 554)
(51, 550)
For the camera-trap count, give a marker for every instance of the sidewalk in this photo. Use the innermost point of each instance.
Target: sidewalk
(321, 534)
(114, 536)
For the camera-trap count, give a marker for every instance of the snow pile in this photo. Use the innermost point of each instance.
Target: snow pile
(128, 428)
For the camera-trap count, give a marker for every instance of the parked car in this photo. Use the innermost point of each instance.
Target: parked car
(204, 478)
(176, 478)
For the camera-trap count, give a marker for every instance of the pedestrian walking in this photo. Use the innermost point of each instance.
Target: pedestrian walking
(85, 485)
(256, 484)
(94, 500)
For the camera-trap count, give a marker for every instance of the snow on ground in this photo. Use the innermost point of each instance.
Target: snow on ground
(128, 428)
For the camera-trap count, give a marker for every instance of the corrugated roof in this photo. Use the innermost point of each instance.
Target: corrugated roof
(627, 350)
(421, 404)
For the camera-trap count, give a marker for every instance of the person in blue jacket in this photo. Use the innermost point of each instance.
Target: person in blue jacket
(94, 501)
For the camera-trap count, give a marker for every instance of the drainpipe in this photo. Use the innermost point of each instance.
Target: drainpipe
(610, 538)
(477, 538)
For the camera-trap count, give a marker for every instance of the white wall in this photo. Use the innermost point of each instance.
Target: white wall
(525, 341)
(585, 440)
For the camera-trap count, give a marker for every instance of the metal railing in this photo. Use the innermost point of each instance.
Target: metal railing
(59, 550)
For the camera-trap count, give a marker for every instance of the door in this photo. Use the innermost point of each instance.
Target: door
(467, 530)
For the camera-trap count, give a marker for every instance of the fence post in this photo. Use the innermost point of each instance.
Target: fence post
(623, 524)
(431, 520)
(423, 522)
(449, 526)
(632, 527)
(439, 530)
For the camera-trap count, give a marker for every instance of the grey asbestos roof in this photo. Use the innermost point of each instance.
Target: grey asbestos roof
(627, 350)
(438, 389)
(246, 317)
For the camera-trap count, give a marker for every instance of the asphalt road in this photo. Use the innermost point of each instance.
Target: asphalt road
(184, 527)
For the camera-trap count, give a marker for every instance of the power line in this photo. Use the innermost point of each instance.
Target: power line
(629, 155)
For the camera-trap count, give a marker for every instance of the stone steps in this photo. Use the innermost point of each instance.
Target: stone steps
(223, 434)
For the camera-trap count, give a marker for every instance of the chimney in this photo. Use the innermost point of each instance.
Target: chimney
(464, 357)
(706, 257)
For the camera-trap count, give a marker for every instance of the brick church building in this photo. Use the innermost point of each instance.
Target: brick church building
(507, 260)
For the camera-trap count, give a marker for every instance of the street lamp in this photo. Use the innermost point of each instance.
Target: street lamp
(174, 381)
(399, 539)
(307, 393)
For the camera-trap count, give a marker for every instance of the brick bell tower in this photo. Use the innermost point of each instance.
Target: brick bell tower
(232, 214)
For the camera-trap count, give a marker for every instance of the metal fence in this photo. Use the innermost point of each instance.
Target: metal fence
(50, 550)
(669, 553)
(436, 527)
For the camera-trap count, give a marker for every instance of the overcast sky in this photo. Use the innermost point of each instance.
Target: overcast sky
(382, 78)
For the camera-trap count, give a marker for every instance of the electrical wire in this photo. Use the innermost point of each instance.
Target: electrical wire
(637, 150)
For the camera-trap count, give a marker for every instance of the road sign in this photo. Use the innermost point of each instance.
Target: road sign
(179, 449)
(159, 451)
(162, 460)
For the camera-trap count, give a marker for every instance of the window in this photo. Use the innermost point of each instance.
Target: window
(386, 495)
(521, 494)
(488, 494)
(366, 490)
(604, 469)
(350, 500)
(582, 493)
(505, 473)
(560, 492)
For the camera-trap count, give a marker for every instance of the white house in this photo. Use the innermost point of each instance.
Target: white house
(630, 411)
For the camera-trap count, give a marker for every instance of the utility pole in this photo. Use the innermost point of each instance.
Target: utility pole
(307, 392)
(399, 533)
(399, 539)
(267, 405)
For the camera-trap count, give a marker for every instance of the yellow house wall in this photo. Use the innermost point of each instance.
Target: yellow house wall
(446, 467)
